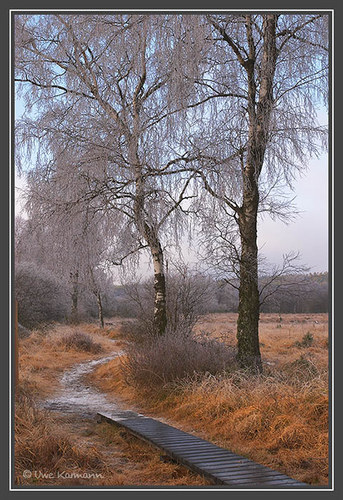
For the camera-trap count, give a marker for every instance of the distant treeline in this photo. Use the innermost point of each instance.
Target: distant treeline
(307, 293)
(44, 297)
(310, 295)
(301, 294)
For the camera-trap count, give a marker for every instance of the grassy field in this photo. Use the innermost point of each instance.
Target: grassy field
(279, 419)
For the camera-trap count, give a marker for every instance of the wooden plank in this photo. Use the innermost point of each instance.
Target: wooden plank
(244, 480)
(16, 344)
(190, 447)
(213, 454)
(218, 464)
(242, 473)
(218, 460)
(223, 457)
(231, 464)
(222, 466)
(258, 481)
(202, 456)
(175, 442)
(255, 477)
(233, 467)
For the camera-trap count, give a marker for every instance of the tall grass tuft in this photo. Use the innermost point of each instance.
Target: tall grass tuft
(40, 447)
(173, 356)
(81, 342)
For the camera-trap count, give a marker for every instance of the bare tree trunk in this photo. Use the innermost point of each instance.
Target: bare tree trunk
(74, 297)
(160, 307)
(100, 310)
(249, 355)
(160, 310)
(150, 234)
(96, 291)
(160, 303)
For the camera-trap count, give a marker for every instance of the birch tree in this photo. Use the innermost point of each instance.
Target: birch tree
(105, 89)
(77, 231)
(266, 75)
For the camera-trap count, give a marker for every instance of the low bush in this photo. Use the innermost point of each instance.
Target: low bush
(174, 356)
(189, 294)
(81, 342)
(137, 332)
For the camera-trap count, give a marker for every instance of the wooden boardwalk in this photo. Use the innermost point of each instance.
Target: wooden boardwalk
(219, 465)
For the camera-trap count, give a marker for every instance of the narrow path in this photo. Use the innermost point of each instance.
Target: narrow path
(77, 404)
(218, 464)
(75, 396)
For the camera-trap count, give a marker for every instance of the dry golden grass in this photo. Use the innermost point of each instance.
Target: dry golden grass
(44, 356)
(142, 464)
(274, 334)
(279, 419)
(52, 446)
(41, 447)
(71, 452)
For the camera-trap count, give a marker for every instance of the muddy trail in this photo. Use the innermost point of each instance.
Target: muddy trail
(77, 397)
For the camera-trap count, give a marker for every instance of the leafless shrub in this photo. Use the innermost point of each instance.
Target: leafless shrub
(136, 331)
(81, 342)
(188, 295)
(41, 296)
(173, 356)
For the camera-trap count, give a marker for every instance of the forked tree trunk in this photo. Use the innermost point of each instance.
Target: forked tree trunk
(150, 234)
(160, 304)
(148, 231)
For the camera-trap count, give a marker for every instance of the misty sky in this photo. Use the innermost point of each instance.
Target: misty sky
(308, 234)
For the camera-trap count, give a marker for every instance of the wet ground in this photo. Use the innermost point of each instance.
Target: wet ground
(77, 397)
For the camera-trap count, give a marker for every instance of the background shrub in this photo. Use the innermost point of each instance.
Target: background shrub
(42, 298)
(189, 294)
